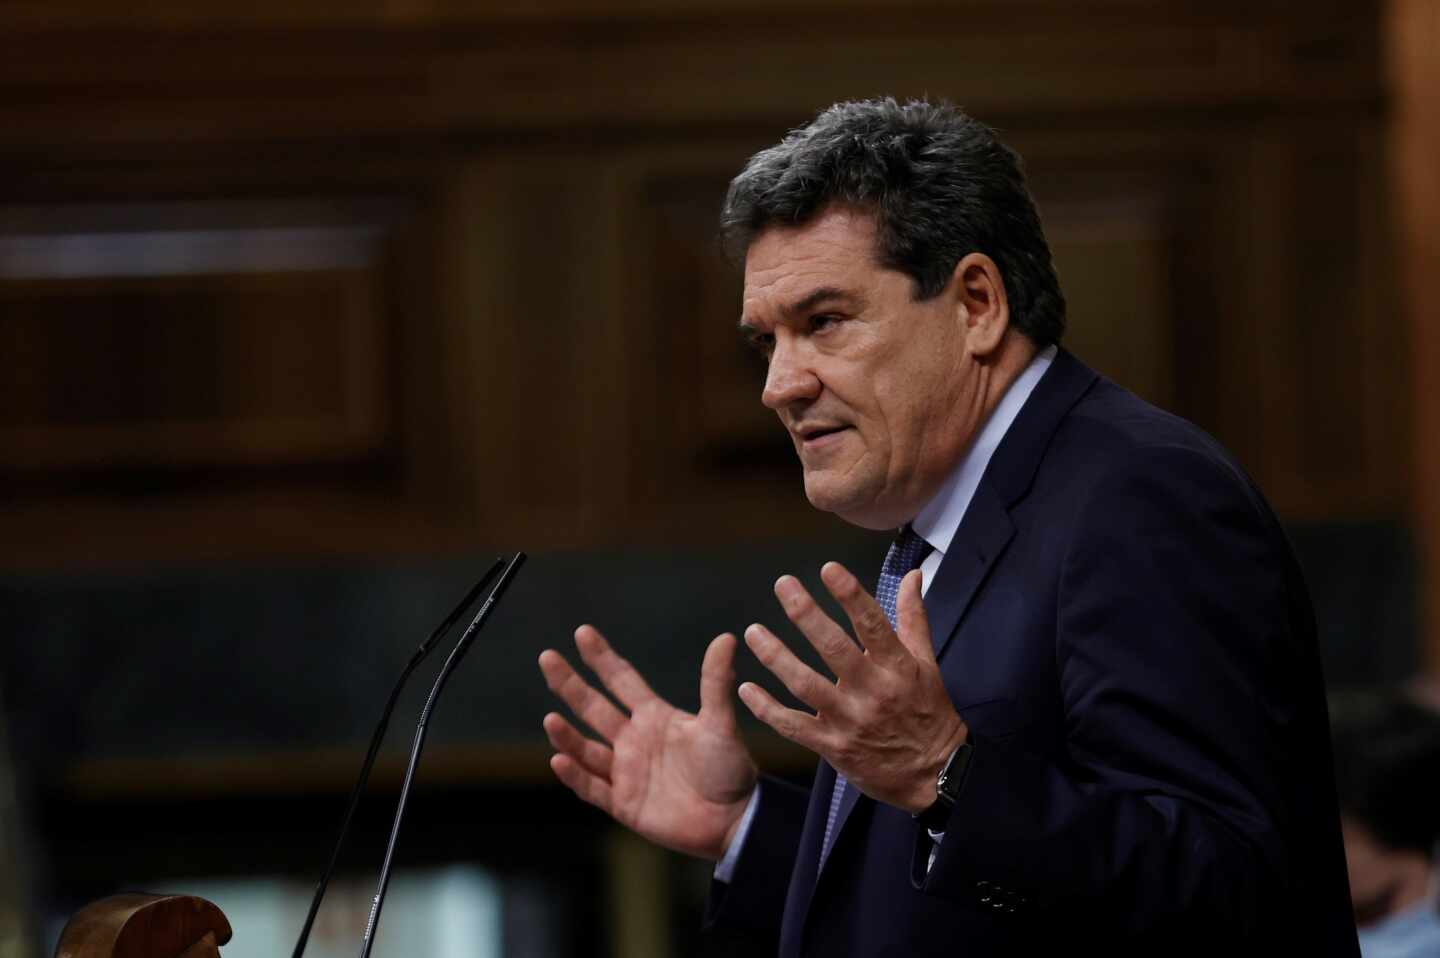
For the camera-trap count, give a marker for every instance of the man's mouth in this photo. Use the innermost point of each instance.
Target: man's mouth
(814, 436)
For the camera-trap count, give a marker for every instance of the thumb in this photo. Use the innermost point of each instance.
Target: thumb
(914, 625)
(717, 682)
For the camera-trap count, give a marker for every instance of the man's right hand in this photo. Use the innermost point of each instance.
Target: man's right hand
(680, 780)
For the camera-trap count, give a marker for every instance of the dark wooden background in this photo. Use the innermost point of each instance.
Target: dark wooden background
(511, 316)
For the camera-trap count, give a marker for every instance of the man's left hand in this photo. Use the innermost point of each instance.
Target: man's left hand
(887, 723)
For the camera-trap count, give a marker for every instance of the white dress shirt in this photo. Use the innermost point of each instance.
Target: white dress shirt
(937, 523)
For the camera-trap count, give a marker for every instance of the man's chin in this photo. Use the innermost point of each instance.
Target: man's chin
(856, 505)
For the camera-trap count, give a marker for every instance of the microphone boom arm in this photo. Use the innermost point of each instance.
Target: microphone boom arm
(376, 739)
(461, 647)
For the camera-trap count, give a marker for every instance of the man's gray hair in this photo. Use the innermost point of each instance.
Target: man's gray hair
(938, 183)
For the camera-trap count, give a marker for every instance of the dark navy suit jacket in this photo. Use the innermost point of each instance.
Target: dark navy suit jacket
(1122, 624)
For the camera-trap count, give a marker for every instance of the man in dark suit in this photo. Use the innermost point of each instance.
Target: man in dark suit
(1084, 705)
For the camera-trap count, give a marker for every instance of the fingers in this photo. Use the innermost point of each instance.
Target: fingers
(804, 683)
(593, 708)
(799, 727)
(618, 675)
(829, 639)
(910, 614)
(594, 757)
(717, 678)
(588, 786)
(871, 626)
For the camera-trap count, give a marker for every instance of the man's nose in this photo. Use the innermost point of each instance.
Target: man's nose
(789, 378)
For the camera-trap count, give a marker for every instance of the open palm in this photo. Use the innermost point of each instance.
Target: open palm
(679, 779)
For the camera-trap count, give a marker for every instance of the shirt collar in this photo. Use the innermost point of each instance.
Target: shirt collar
(938, 521)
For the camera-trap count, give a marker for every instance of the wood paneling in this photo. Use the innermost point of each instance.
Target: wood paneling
(1413, 36)
(1327, 397)
(175, 371)
(1115, 261)
(554, 326)
(340, 76)
(213, 344)
(699, 404)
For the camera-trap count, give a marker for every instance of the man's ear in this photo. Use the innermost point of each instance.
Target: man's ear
(980, 291)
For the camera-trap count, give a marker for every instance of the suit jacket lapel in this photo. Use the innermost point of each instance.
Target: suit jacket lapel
(847, 805)
(987, 528)
(983, 535)
(807, 860)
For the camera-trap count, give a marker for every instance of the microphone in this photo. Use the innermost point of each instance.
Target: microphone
(378, 737)
(461, 647)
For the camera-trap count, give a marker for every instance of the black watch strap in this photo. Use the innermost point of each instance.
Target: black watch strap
(947, 789)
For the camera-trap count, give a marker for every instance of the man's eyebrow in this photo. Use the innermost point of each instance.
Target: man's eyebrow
(825, 293)
(808, 302)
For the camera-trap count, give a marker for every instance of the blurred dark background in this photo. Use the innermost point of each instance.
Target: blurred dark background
(307, 310)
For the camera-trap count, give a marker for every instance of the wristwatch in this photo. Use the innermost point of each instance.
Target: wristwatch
(947, 789)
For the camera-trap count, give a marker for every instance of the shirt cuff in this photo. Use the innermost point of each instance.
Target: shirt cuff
(725, 867)
(935, 839)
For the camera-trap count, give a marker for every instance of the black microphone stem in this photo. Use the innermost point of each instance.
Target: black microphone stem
(456, 654)
(375, 741)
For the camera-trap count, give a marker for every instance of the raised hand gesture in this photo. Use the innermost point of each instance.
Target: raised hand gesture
(886, 722)
(678, 779)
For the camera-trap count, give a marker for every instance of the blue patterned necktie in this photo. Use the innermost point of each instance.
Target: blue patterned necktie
(906, 553)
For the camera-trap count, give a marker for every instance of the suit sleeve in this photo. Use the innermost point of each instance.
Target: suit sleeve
(1161, 809)
(753, 902)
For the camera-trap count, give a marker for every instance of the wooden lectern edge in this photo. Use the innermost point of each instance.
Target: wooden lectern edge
(145, 926)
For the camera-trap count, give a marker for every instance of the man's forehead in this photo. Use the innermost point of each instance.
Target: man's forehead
(836, 232)
(792, 268)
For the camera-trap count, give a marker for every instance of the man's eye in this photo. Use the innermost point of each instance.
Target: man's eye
(822, 321)
(763, 343)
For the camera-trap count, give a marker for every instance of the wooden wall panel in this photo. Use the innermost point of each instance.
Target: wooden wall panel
(215, 343)
(1325, 394)
(538, 366)
(1116, 260)
(555, 327)
(702, 402)
(1413, 37)
(1346, 396)
(336, 77)
(184, 371)
(213, 359)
